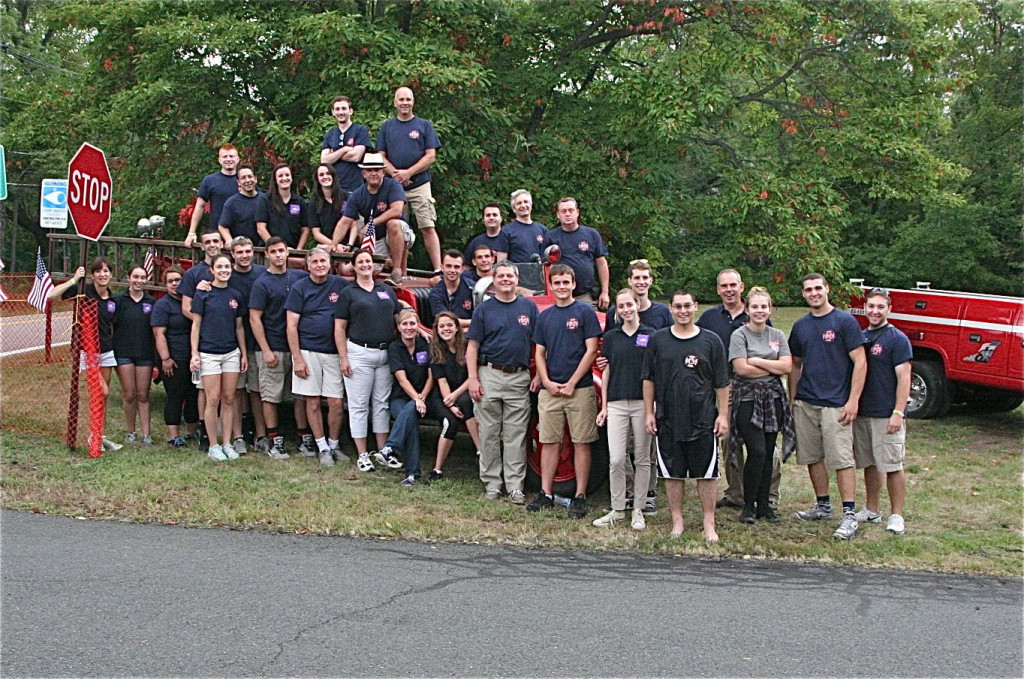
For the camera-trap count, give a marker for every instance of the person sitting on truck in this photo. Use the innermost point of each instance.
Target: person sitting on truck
(879, 433)
(239, 215)
(493, 234)
(525, 236)
(482, 260)
(214, 190)
(451, 395)
(824, 389)
(566, 337)
(453, 293)
(584, 250)
(281, 211)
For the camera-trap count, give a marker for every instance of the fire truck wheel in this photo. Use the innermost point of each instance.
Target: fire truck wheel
(929, 392)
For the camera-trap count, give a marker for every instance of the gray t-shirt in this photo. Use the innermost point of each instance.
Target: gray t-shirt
(771, 344)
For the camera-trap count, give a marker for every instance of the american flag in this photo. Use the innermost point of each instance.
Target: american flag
(369, 237)
(42, 285)
(148, 264)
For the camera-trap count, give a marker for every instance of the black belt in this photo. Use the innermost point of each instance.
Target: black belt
(370, 346)
(509, 369)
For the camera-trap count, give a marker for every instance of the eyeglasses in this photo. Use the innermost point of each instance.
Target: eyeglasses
(639, 261)
(686, 306)
(878, 292)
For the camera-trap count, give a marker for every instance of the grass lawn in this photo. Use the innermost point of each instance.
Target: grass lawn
(964, 500)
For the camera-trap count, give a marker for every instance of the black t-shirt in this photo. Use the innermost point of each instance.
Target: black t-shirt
(133, 337)
(287, 224)
(219, 308)
(370, 313)
(326, 218)
(456, 373)
(106, 308)
(167, 314)
(625, 354)
(686, 373)
(416, 365)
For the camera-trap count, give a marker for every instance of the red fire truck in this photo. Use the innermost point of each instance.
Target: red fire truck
(968, 348)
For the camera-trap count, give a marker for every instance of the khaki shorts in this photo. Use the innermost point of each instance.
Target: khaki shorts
(819, 436)
(275, 383)
(217, 364)
(580, 410)
(381, 244)
(250, 379)
(873, 446)
(421, 202)
(324, 376)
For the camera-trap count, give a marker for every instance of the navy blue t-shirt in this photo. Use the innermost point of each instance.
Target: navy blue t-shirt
(349, 175)
(287, 224)
(370, 313)
(198, 272)
(720, 321)
(504, 331)
(625, 354)
(460, 303)
(364, 204)
(269, 293)
(133, 337)
(219, 308)
(239, 217)
(655, 317)
(563, 331)
(315, 304)
(580, 248)
(499, 243)
(824, 344)
(524, 240)
(167, 314)
(242, 282)
(416, 365)
(887, 347)
(215, 189)
(405, 142)
(471, 277)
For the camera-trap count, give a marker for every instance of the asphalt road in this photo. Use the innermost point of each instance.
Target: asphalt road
(86, 598)
(28, 331)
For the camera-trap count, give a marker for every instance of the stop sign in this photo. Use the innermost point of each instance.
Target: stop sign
(90, 191)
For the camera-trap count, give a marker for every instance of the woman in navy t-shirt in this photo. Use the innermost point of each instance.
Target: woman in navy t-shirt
(216, 337)
(133, 350)
(450, 401)
(171, 335)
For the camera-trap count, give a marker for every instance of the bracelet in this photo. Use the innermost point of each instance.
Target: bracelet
(900, 413)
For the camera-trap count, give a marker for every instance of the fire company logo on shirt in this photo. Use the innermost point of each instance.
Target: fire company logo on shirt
(641, 340)
(584, 246)
(774, 345)
(294, 209)
(828, 336)
(691, 361)
(381, 207)
(524, 320)
(414, 134)
(111, 306)
(333, 297)
(233, 303)
(540, 238)
(382, 294)
(572, 323)
(467, 305)
(421, 357)
(876, 350)
(147, 307)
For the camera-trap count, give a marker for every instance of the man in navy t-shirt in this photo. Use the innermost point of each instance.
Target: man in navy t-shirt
(316, 371)
(526, 237)
(243, 275)
(498, 360)
(240, 210)
(212, 243)
(583, 249)
(214, 191)
(492, 235)
(566, 337)
(825, 386)
(481, 262)
(409, 146)
(344, 146)
(879, 433)
(453, 293)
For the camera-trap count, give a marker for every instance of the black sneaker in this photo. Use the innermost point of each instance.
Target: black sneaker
(540, 502)
(651, 503)
(769, 515)
(726, 502)
(578, 507)
(747, 515)
(435, 476)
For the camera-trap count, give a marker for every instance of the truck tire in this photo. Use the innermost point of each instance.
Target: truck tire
(929, 391)
(993, 401)
(565, 476)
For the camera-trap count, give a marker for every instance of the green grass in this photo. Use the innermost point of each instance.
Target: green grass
(964, 500)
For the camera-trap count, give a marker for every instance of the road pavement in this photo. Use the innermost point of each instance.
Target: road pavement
(27, 332)
(87, 598)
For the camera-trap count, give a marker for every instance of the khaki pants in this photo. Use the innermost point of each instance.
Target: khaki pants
(503, 415)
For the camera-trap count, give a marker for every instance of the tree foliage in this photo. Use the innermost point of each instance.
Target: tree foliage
(768, 136)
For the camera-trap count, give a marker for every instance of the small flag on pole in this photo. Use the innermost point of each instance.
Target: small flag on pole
(148, 263)
(369, 237)
(42, 285)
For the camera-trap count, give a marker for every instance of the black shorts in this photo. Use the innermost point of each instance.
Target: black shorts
(696, 459)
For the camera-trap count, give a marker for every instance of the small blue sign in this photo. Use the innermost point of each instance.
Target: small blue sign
(53, 204)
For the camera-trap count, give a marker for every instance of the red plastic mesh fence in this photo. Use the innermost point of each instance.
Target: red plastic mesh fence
(88, 338)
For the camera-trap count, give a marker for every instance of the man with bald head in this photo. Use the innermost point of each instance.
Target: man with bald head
(409, 146)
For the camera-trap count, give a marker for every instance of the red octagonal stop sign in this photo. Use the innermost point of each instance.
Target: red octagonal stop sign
(90, 191)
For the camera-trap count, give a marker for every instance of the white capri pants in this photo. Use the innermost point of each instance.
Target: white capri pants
(369, 387)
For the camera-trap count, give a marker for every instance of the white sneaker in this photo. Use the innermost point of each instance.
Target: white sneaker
(865, 515)
(216, 453)
(639, 522)
(610, 519)
(895, 524)
(847, 528)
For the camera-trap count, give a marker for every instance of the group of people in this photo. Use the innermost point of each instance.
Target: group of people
(679, 390)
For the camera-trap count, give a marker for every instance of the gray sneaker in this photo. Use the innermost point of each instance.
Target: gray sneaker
(340, 457)
(308, 446)
(262, 444)
(110, 445)
(848, 528)
(516, 497)
(147, 440)
(865, 515)
(815, 513)
(276, 451)
(239, 446)
(130, 439)
(326, 459)
(492, 494)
